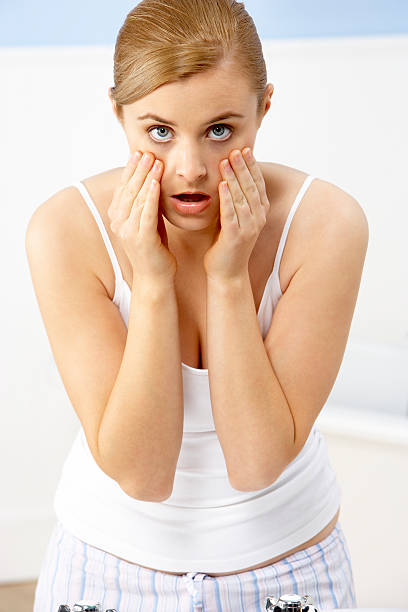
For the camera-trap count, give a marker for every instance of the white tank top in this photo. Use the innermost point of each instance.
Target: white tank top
(206, 525)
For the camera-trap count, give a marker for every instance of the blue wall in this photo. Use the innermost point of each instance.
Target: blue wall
(96, 22)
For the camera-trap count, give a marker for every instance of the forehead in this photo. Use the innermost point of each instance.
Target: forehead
(202, 95)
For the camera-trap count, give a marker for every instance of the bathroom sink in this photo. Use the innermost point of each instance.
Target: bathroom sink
(368, 610)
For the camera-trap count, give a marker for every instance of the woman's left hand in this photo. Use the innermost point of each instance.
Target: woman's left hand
(243, 210)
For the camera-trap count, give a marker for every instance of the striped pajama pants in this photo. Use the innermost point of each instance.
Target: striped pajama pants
(73, 570)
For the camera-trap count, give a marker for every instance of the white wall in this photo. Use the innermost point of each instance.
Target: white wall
(338, 112)
(373, 512)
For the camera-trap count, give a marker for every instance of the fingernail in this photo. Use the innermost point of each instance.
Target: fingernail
(136, 156)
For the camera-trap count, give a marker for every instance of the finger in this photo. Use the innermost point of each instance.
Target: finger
(131, 189)
(135, 191)
(127, 172)
(246, 181)
(130, 167)
(140, 182)
(228, 213)
(257, 176)
(149, 214)
(240, 203)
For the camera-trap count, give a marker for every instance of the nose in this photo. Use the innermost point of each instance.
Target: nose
(190, 165)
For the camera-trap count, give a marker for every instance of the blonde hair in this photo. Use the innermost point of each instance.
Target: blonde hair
(162, 41)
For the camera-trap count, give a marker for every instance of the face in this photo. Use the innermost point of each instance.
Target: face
(196, 132)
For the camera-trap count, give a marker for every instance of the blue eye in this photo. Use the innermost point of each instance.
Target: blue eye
(158, 127)
(219, 125)
(223, 126)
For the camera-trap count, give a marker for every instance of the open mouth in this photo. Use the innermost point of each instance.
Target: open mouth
(191, 197)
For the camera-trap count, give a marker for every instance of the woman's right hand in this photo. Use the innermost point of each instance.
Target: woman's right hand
(136, 221)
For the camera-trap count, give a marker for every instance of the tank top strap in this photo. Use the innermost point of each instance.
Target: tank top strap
(292, 211)
(115, 264)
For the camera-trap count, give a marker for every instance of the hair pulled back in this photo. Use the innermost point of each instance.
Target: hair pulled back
(162, 41)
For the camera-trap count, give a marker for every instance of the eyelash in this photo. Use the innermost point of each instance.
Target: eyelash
(213, 126)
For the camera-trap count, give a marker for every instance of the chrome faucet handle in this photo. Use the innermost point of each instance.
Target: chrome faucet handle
(307, 600)
(83, 606)
(289, 603)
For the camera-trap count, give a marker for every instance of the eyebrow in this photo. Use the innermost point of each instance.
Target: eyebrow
(221, 117)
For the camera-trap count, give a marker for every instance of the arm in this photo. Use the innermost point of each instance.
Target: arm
(142, 426)
(266, 395)
(251, 415)
(125, 385)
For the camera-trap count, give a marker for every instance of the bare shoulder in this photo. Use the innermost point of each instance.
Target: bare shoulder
(326, 218)
(286, 179)
(339, 215)
(58, 226)
(324, 204)
(64, 217)
(66, 205)
(56, 217)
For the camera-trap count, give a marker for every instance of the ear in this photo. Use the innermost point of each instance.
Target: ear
(269, 89)
(114, 107)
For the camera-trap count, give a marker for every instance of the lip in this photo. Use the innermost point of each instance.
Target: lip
(190, 208)
(207, 195)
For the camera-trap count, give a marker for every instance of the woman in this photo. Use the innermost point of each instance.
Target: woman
(197, 351)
